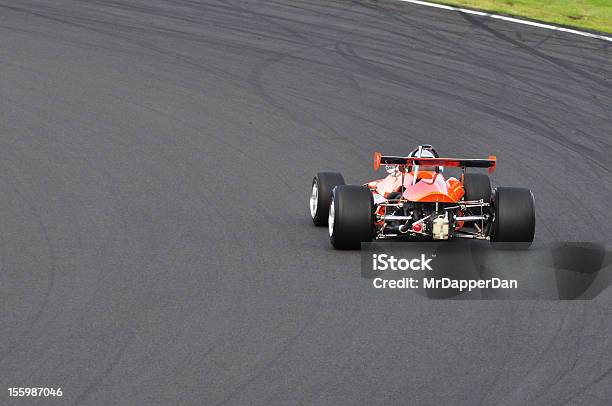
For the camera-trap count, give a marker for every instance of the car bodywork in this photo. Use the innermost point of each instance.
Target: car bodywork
(417, 201)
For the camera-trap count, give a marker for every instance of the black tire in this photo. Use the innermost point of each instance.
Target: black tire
(325, 182)
(353, 217)
(477, 186)
(514, 224)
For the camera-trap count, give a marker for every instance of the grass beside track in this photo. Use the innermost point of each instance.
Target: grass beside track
(584, 14)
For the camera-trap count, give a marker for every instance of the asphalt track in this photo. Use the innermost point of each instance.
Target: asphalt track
(155, 161)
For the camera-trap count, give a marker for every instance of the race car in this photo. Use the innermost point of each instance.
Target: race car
(415, 201)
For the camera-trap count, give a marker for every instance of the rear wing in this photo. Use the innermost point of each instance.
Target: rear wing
(489, 163)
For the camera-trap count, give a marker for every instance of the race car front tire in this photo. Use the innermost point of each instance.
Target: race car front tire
(477, 186)
(320, 198)
(514, 223)
(351, 217)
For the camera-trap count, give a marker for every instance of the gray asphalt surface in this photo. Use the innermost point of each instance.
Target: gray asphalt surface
(155, 164)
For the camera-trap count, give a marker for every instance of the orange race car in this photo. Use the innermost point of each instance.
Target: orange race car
(416, 201)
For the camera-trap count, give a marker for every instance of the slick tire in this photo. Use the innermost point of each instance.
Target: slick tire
(351, 215)
(477, 186)
(321, 193)
(514, 224)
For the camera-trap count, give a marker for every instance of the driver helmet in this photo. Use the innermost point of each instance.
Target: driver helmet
(425, 151)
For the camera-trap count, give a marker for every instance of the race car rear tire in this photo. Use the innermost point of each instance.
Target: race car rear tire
(514, 223)
(320, 198)
(477, 186)
(351, 217)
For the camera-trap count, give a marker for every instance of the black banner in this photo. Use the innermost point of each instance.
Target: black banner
(478, 270)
